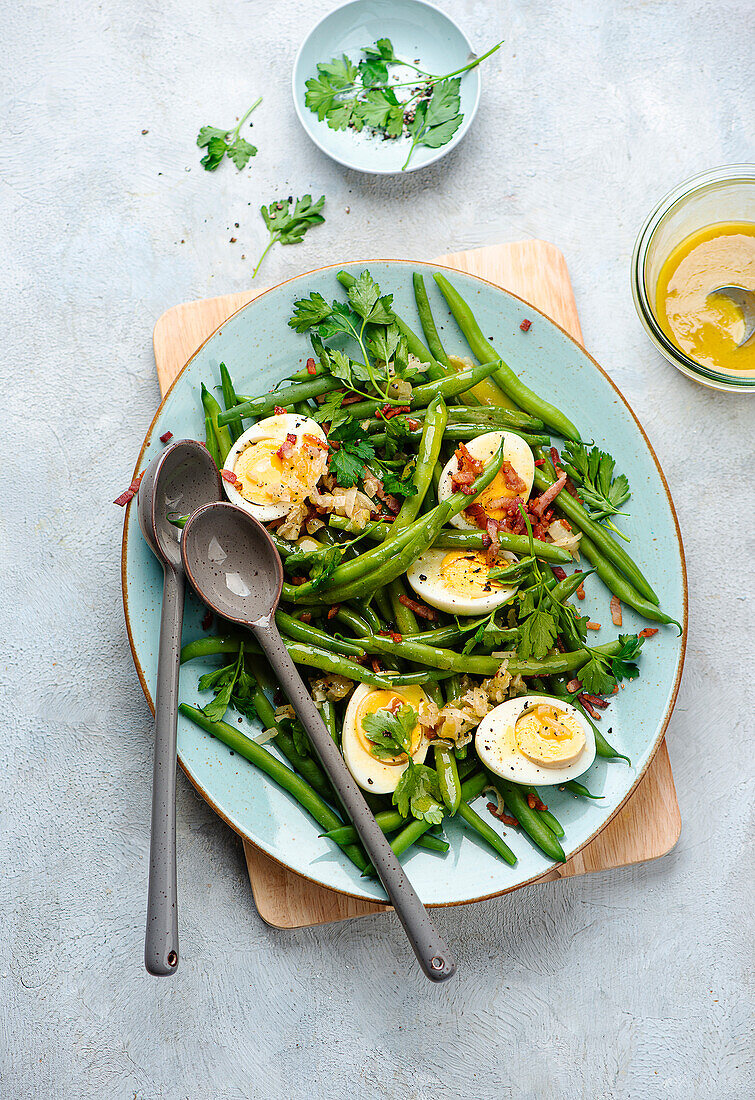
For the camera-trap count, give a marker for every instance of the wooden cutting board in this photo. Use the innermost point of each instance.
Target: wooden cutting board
(648, 825)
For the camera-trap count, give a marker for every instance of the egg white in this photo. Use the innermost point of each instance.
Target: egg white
(498, 751)
(425, 577)
(276, 428)
(371, 774)
(483, 448)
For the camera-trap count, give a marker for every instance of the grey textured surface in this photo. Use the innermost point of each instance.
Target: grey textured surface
(628, 984)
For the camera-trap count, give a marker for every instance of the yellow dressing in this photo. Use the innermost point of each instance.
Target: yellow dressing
(465, 573)
(708, 329)
(549, 737)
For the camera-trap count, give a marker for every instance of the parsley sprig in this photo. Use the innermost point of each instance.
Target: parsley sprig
(600, 675)
(233, 687)
(226, 143)
(418, 791)
(349, 96)
(288, 226)
(592, 471)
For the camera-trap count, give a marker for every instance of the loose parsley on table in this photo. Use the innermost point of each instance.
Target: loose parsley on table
(418, 792)
(288, 226)
(349, 96)
(226, 143)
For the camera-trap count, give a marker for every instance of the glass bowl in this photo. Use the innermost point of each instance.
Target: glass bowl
(721, 195)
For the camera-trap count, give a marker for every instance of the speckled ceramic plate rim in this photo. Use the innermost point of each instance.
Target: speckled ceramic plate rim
(682, 562)
(311, 133)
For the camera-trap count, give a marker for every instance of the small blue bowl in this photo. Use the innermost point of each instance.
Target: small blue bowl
(418, 31)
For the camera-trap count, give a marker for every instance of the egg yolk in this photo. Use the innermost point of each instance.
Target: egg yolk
(465, 572)
(266, 478)
(497, 490)
(549, 737)
(389, 700)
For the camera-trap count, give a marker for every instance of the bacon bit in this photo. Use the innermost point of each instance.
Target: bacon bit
(230, 477)
(595, 700)
(279, 410)
(311, 367)
(391, 502)
(525, 325)
(615, 611)
(166, 436)
(333, 611)
(581, 589)
(539, 461)
(555, 457)
(512, 478)
(558, 572)
(412, 424)
(392, 634)
(648, 632)
(574, 685)
(286, 448)
(384, 517)
(314, 441)
(589, 708)
(507, 819)
(469, 469)
(477, 514)
(419, 608)
(571, 489)
(305, 617)
(352, 399)
(389, 411)
(559, 644)
(377, 668)
(208, 620)
(298, 580)
(538, 506)
(593, 626)
(493, 541)
(130, 493)
(535, 803)
(615, 689)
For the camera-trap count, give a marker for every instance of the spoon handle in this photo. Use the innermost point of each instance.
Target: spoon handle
(431, 951)
(161, 939)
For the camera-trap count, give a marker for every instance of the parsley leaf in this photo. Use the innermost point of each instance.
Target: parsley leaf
(288, 226)
(596, 676)
(366, 300)
(226, 143)
(622, 665)
(401, 486)
(348, 462)
(592, 471)
(309, 312)
(437, 119)
(389, 732)
(418, 794)
(331, 412)
(222, 683)
(538, 634)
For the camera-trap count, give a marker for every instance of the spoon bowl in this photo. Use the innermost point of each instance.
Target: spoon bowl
(232, 563)
(745, 300)
(177, 481)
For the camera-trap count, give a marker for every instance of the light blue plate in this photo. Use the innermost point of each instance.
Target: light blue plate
(421, 34)
(259, 348)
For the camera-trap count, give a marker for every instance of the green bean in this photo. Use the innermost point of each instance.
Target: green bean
(210, 440)
(313, 657)
(487, 832)
(403, 616)
(602, 747)
(388, 820)
(423, 395)
(222, 435)
(230, 400)
(328, 712)
(452, 539)
(427, 458)
(408, 836)
(616, 583)
(580, 789)
(547, 817)
(473, 785)
(428, 321)
(285, 398)
(511, 385)
(445, 636)
(383, 603)
(307, 767)
(516, 803)
(422, 676)
(448, 777)
(453, 688)
(303, 632)
(209, 645)
(433, 843)
(463, 432)
(486, 416)
(356, 624)
(598, 535)
(305, 795)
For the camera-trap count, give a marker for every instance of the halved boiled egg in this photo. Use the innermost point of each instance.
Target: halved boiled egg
(371, 773)
(277, 463)
(457, 581)
(535, 740)
(514, 481)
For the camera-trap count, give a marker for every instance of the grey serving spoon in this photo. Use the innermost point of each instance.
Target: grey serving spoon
(745, 299)
(177, 481)
(232, 563)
